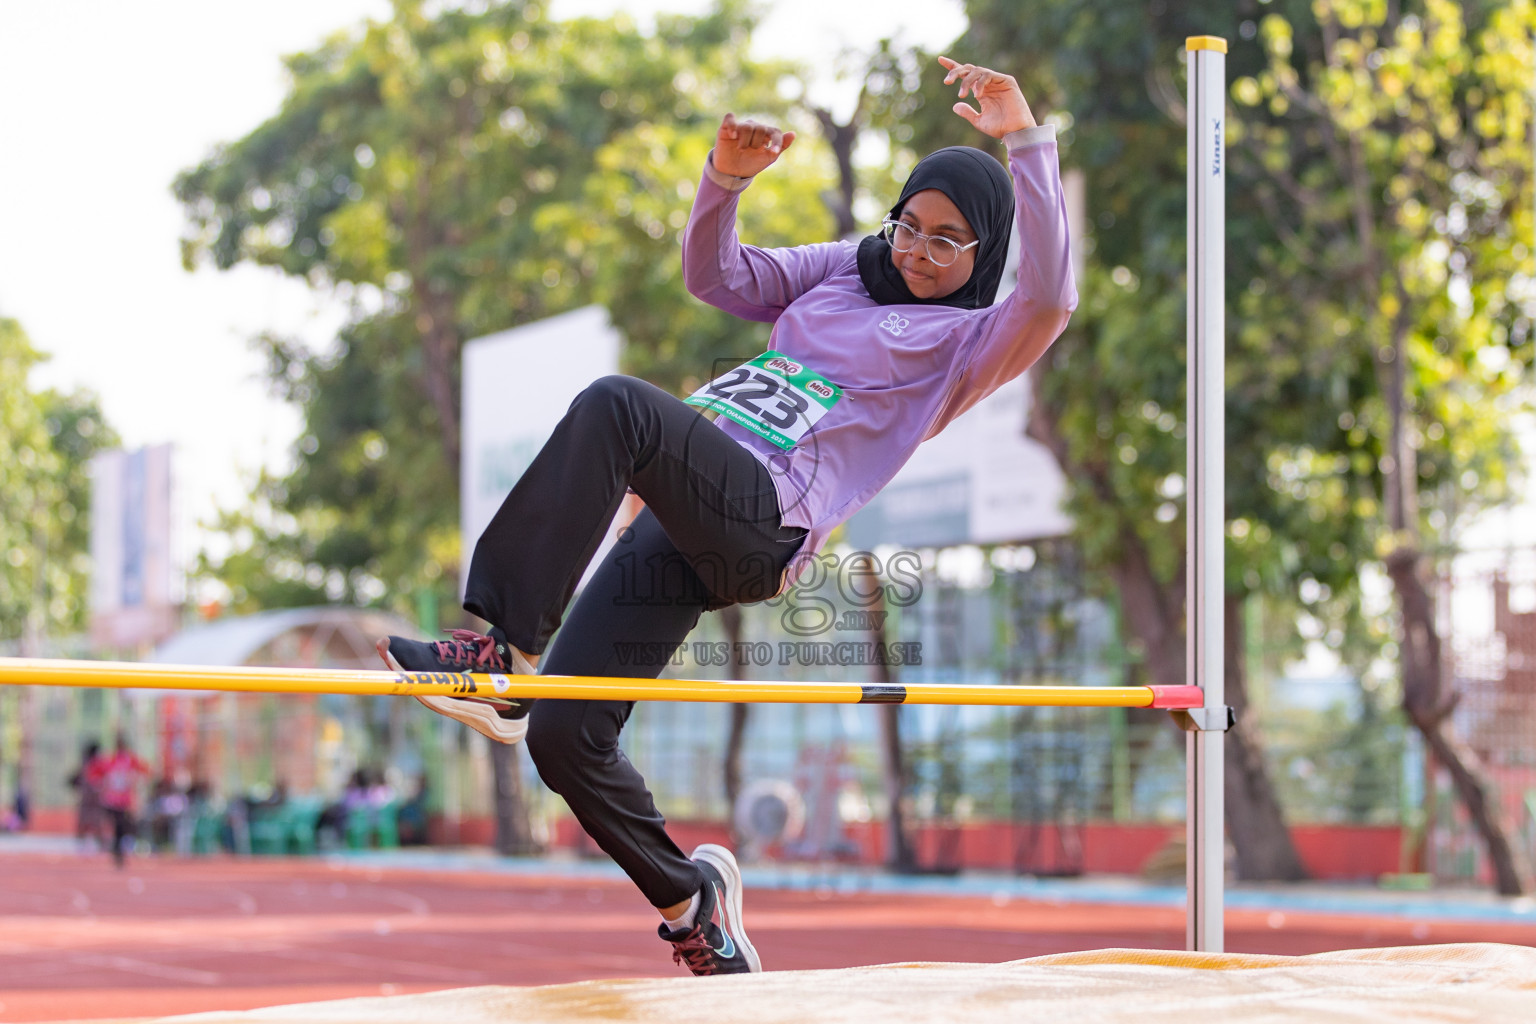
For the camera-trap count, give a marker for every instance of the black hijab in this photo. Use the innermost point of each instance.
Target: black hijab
(977, 184)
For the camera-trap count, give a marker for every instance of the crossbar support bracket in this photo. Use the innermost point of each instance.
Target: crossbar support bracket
(1218, 719)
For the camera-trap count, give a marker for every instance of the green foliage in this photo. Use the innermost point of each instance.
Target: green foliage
(78, 431)
(49, 439)
(1391, 149)
(456, 174)
(364, 509)
(1437, 115)
(1120, 417)
(1338, 763)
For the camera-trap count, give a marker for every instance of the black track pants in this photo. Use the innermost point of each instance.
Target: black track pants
(709, 537)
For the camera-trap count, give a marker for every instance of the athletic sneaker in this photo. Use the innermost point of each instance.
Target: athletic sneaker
(716, 944)
(503, 719)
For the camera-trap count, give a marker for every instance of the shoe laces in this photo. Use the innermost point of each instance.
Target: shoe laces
(470, 649)
(694, 951)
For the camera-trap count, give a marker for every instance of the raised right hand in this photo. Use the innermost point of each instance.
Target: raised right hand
(743, 148)
(1003, 108)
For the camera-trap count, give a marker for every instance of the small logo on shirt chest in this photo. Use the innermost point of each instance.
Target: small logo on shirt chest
(895, 324)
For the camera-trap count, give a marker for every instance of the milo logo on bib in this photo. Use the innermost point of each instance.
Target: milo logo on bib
(773, 396)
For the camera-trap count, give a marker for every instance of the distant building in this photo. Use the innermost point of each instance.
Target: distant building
(131, 597)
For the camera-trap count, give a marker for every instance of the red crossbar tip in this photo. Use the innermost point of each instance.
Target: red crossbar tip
(1175, 697)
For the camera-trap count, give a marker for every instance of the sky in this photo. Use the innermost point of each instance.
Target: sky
(101, 105)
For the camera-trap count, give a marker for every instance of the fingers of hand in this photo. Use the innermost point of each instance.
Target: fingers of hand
(997, 84)
(978, 81)
(975, 80)
(728, 127)
(959, 71)
(753, 135)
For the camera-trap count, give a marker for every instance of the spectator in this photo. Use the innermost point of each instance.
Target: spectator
(380, 793)
(363, 804)
(116, 779)
(21, 809)
(167, 807)
(413, 816)
(331, 828)
(89, 816)
(278, 797)
(200, 807)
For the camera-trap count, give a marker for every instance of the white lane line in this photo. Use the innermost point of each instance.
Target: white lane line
(154, 970)
(401, 966)
(43, 967)
(414, 904)
(525, 954)
(244, 902)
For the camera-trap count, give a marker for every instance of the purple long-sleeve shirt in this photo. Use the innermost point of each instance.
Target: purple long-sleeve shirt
(906, 370)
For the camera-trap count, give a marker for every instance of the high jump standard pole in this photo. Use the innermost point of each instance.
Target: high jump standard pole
(1206, 505)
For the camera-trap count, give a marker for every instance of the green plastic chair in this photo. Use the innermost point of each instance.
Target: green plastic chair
(360, 828)
(388, 826)
(370, 827)
(268, 830)
(300, 823)
(205, 832)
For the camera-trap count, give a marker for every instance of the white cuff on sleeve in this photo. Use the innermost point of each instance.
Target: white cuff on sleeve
(1026, 137)
(729, 182)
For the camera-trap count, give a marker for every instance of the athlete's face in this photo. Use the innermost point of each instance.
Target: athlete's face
(931, 212)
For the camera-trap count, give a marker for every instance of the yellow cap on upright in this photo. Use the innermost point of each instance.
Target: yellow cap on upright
(1206, 43)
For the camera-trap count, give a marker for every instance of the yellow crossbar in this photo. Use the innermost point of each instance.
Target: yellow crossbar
(242, 679)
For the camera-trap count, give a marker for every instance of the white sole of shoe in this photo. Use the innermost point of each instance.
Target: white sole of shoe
(478, 716)
(724, 862)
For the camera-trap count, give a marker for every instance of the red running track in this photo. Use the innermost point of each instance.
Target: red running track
(80, 940)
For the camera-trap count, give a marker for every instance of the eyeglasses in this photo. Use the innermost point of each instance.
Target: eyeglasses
(941, 251)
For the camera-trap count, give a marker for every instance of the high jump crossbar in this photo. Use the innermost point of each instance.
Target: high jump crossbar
(245, 679)
(1199, 705)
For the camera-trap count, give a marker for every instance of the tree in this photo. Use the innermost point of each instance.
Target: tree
(1379, 185)
(49, 439)
(1392, 145)
(455, 175)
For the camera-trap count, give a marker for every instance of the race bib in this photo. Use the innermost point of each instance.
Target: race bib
(773, 396)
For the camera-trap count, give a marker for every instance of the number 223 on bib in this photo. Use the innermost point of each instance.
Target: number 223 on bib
(773, 396)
